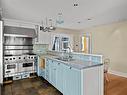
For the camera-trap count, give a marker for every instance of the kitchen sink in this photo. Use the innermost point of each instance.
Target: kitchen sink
(65, 59)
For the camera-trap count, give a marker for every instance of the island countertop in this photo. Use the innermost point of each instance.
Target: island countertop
(76, 63)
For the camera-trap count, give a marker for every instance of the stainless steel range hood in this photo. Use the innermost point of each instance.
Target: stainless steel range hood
(19, 32)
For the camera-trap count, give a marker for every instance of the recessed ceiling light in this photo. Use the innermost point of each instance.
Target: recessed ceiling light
(75, 4)
(89, 19)
(79, 22)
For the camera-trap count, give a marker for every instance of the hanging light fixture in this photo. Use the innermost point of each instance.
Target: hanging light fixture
(60, 19)
(47, 26)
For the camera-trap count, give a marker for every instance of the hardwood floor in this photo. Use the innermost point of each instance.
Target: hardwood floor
(36, 86)
(116, 86)
(33, 86)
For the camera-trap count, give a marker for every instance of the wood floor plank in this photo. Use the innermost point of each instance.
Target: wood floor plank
(32, 86)
(116, 86)
(37, 86)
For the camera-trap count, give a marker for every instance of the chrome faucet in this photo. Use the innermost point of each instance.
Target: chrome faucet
(69, 49)
(69, 52)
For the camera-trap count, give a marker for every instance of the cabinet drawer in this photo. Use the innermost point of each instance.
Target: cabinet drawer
(25, 76)
(17, 77)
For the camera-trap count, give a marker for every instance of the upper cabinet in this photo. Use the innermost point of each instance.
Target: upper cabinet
(43, 38)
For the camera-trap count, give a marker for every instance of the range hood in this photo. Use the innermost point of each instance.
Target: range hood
(19, 32)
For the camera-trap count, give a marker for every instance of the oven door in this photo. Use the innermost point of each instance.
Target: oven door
(27, 66)
(10, 68)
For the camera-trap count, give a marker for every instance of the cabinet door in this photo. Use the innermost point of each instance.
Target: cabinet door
(72, 81)
(41, 72)
(59, 77)
(53, 73)
(48, 70)
(43, 38)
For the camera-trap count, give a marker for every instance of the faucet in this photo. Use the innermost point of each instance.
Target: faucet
(69, 52)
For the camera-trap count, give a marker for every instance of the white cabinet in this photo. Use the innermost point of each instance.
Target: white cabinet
(43, 38)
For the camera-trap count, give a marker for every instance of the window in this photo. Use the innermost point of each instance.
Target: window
(86, 43)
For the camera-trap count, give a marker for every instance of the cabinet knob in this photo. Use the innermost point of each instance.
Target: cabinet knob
(54, 69)
(70, 67)
(58, 63)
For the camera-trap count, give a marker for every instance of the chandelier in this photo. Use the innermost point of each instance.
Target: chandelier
(47, 25)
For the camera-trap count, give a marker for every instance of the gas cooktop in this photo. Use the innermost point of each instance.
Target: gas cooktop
(19, 54)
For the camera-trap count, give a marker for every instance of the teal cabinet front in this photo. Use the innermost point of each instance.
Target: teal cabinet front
(53, 71)
(54, 74)
(48, 70)
(42, 72)
(65, 78)
(72, 81)
(59, 77)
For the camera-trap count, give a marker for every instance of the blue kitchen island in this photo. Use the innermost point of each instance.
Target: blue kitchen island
(81, 76)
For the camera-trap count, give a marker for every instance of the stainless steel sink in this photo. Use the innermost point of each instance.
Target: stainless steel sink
(65, 59)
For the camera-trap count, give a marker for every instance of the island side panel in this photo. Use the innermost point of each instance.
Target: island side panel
(92, 81)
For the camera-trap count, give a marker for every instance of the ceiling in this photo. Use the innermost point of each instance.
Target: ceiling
(88, 13)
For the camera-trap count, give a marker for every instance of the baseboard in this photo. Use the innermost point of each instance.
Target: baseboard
(118, 73)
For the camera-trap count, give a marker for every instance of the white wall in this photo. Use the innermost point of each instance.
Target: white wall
(111, 41)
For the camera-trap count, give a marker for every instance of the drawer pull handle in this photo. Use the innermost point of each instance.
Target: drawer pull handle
(8, 71)
(70, 67)
(25, 76)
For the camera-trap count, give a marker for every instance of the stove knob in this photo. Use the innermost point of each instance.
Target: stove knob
(24, 58)
(19, 57)
(10, 58)
(14, 58)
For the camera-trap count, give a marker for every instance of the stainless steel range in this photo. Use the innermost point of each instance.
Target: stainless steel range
(18, 51)
(17, 65)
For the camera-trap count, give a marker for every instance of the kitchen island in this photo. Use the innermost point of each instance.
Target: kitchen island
(75, 77)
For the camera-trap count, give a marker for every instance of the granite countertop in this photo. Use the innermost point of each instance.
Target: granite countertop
(76, 63)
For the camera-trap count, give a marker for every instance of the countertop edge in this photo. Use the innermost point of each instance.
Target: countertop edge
(52, 57)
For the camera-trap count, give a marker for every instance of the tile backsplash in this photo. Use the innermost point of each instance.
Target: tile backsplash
(40, 48)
